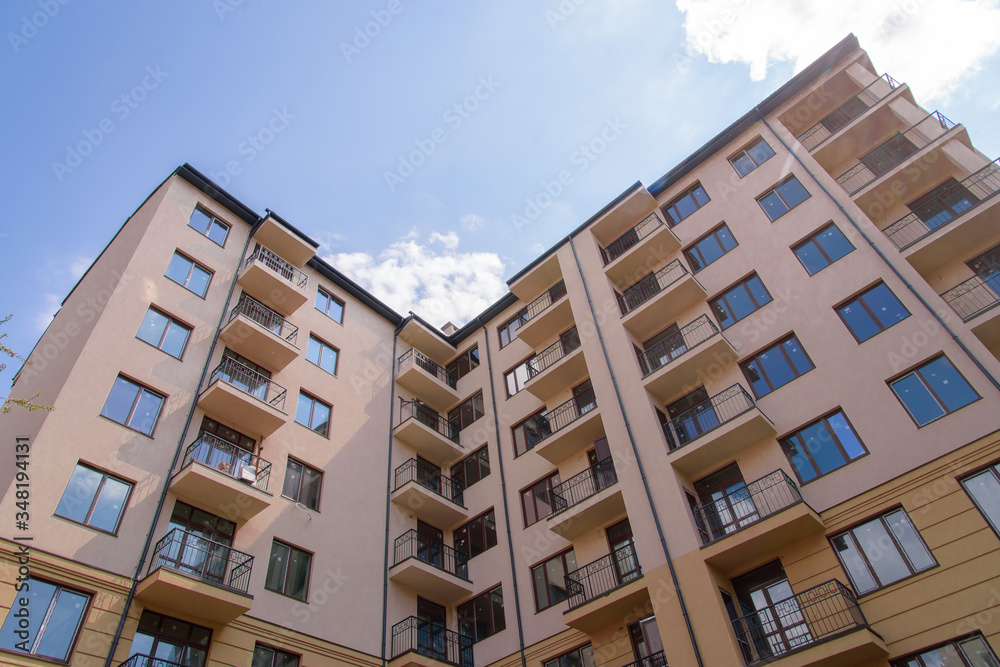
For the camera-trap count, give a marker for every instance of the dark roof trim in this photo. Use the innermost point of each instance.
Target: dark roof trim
(355, 290)
(470, 327)
(218, 195)
(302, 235)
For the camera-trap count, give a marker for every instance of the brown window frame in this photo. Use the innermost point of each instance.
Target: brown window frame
(529, 490)
(561, 556)
(668, 208)
(475, 550)
(479, 457)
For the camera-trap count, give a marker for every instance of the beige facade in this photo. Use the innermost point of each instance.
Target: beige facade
(744, 415)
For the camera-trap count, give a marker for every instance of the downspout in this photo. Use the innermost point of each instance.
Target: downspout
(638, 460)
(388, 491)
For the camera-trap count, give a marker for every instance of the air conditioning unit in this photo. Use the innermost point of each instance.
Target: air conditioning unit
(248, 474)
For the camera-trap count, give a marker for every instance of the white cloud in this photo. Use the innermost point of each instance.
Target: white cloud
(50, 305)
(449, 240)
(80, 266)
(328, 241)
(931, 44)
(538, 249)
(472, 222)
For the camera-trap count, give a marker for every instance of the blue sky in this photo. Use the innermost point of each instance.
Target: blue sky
(406, 135)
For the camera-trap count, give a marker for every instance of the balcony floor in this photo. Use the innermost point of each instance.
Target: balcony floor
(218, 492)
(593, 512)
(565, 373)
(572, 438)
(722, 443)
(430, 581)
(765, 537)
(192, 597)
(248, 413)
(664, 307)
(611, 608)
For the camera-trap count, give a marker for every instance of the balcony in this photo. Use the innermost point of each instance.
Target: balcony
(197, 577)
(637, 250)
(418, 643)
(259, 333)
(582, 503)
(853, 108)
(421, 376)
(568, 428)
(657, 299)
(429, 494)
(754, 521)
(430, 567)
(715, 430)
(546, 316)
(429, 434)
(557, 367)
(604, 591)
(680, 359)
(820, 627)
(975, 300)
(242, 396)
(273, 281)
(149, 661)
(284, 241)
(223, 478)
(657, 659)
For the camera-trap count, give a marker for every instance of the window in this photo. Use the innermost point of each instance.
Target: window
(893, 151)
(482, 616)
(199, 543)
(710, 247)
(536, 500)
(323, 355)
(739, 301)
(465, 363)
(751, 157)
(776, 366)
(822, 249)
(580, 657)
(686, 203)
(469, 411)
(209, 225)
(189, 274)
(514, 379)
(882, 551)
(783, 198)
(968, 652)
(56, 614)
(171, 639)
(132, 405)
(530, 432)
(872, 312)
(984, 488)
(945, 202)
(162, 331)
(94, 499)
(313, 413)
(330, 305)
(302, 484)
(288, 570)
(823, 446)
(472, 468)
(508, 330)
(549, 579)
(933, 390)
(265, 656)
(476, 536)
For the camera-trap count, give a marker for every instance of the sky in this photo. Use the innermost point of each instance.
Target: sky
(416, 140)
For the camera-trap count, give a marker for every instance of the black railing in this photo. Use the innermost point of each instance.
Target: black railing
(254, 310)
(892, 152)
(433, 640)
(976, 295)
(229, 459)
(650, 286)
(604, 575)
(549, 297)
(708, 416)
(149, 661)
(946, 207)
(204, 559)
(418, 358)
(657, 659)
(250, 382)
(620, 245)
(676, 345)
(566, 413)
(837, 119)
(280, 266)
(429, 478)
(427, 417)
(578, 488)
(745, 506)
(553, 353)
(806, 618)
(414, 544)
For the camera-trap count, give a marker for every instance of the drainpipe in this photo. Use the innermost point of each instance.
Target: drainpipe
(388, 492)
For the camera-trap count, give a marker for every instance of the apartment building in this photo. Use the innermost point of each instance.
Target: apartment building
(745, 415)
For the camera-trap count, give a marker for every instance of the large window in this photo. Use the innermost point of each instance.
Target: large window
(302, 484)
(882, 551)
(265, 656)
(162, 331)
(465, 363)
(966, 652)
(549, 579)
(872, 312)
(482, 616)
(288, 570)
(329, 305)
(710, 247)
(132, 405)
(472, 468)
(508, 330)
(984, 487)
(823, 446)
(776, 366)
(580, 657)
(323, 355)
(515, 378)
(530, 432)
(210, 226)
(536, 500)
(822, 249)
(739, 301)
(189, 274)
(933, 390)
(476, 536)
(94, 498)
(751, 157)
(469, 411)
(313, 413)
(171, 639)
(686, 203)
(55, 615)
(783, 198)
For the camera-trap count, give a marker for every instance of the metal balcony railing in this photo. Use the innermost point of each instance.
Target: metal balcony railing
(650, 286)
(421, 360)
(254, 310)
(588, 483)
(429, 478)
(413, 544)
(724, 407)
(604, 575)
(229, 459)
(250, 382)
(946, 207)
(204, 559)
(149, 661)
(676, 345)
(620, 245)
(745, 506)
(806, 618)
(566, 413)
(428, 418)
(553, 353)
(837, 119)
(657, 659)
(280, 266)
(976, 295)
(894, 151)
(549, 297)
(433, 640)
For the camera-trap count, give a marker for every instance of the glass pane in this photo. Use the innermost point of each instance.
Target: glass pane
(152, 327)
(743, 164)
(303, 410)
(313, 351)
(39, 596)
(321, 418)
(886, 307)
(198, 283)
(757, 290)
(799, 459)
(276, 567)
(146, 411)
(914, 395)
(311, 488)
(978, 653)
(298, 574)
(848, 439)
(179, 269)
(557, 579)
(218, 232)
(199, 221)
(792, 192)
(739, 302)
(79, 494)
(949, 386)
(293, 478)
(60, 631)
(710, 250)
(811, 257)
(541, 592)
(818, 439)
(109, 505)
(882, 553)
(120, 400)
(772, 205)
(852, 561)
(797, 355)
(913, 546)
(760, 151)
(945, 656)
(262, 657)
(760, 386)
(726, 238)
(499, 620)
(985, 490)
(776, 366)
(686, 206)
(833, 241)
(286, 660)
(858, 320)
(175, 340)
